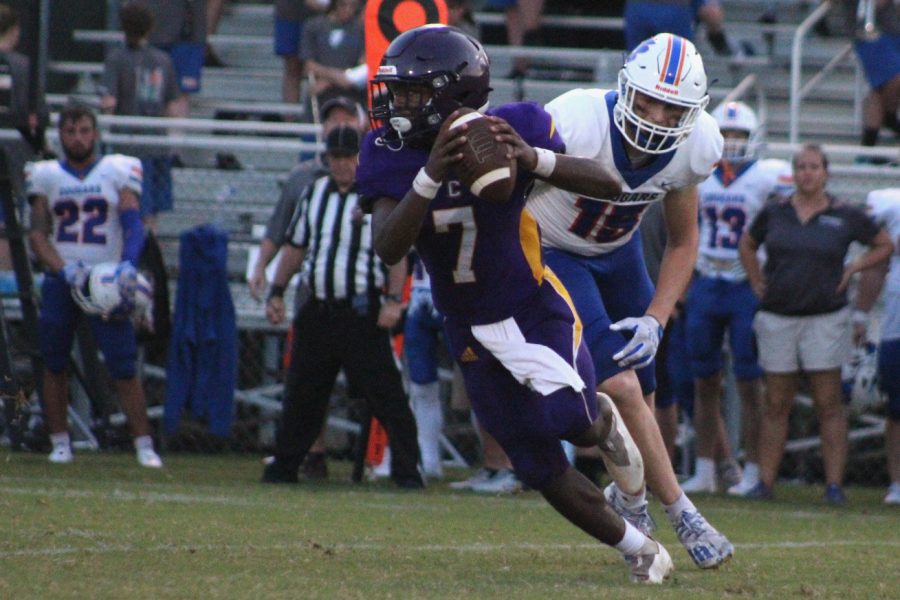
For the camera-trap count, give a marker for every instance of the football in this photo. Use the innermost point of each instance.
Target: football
(484, 168)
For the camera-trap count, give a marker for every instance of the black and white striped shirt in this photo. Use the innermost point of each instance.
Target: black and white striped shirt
(340, 260)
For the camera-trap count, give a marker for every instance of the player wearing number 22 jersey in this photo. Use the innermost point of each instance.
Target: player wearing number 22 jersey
(85, 211)
(85, 204)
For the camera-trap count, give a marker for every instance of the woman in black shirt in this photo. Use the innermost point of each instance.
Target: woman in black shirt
(804, 320)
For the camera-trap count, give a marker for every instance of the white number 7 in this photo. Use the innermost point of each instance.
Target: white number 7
(465, 216)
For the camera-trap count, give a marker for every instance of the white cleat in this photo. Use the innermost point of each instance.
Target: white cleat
(893, 495)
(654, 567)
(619, 452)
(697, 484)
(503, 481)
(743, 487)
(728, 474)
(480, 476)
(61, 455)
(707, 547)
(146, 457)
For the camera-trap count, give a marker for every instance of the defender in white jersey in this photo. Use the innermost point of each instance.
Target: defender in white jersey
(884, 206)
(720, 297)
(655, 136)
(85, 212)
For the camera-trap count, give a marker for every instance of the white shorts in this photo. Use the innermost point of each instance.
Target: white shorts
(815, 343)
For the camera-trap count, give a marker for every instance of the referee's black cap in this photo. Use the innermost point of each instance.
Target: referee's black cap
(343, 140)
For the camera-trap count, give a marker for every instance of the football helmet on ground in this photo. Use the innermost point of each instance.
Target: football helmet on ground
(666, 68)
(737, 116)
(426, 74)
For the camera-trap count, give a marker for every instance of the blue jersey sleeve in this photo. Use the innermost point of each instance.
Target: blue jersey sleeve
(533, 123)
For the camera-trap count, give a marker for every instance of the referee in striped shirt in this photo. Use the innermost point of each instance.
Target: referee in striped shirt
(355, 301)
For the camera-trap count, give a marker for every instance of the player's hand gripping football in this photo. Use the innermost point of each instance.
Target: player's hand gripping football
(525, 155)
(446, 149)
(641, 348)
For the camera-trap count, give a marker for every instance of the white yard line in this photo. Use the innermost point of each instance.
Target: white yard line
(368, 547)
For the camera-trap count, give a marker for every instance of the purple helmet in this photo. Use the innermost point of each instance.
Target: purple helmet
(450, 63)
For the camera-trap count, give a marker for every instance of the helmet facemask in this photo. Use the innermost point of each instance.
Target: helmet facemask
(669, 69)
(737, 116)
(645, 135)
(426, 74)
(742, 149)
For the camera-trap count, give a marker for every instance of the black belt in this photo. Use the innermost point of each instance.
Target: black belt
(334, 304)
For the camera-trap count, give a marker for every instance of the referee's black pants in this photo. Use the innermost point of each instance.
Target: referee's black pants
(328, 336)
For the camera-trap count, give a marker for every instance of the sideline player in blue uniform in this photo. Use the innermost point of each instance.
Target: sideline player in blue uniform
(84, 212)
(509, 323)
(654, 136)
(720, 297)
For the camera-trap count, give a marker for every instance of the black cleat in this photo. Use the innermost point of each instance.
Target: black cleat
(281, 470)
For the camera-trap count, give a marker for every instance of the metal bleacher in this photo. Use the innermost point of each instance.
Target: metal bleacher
(239, 199)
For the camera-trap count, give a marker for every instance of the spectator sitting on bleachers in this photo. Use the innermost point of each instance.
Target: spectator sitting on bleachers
(140, 80)
(711, 14)
(646, 18)
(877, 44)
(181, 32)
(290, 16)
(331, 44)
(803, 323)
(523, 28)
(214, 10)
(16, 112)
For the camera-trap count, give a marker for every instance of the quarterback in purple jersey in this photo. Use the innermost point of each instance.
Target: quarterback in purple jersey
(509, 323)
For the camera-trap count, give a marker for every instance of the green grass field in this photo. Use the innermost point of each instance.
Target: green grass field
(205, 528)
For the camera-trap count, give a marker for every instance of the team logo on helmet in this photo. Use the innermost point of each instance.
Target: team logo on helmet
(667, 68)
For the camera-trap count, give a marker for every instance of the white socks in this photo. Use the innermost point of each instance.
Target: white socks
(632, 541)
(675, 509)
(633, 502)
(60, 439)
(144, 442)
(426, 406)
(751, 474)
(705, 470)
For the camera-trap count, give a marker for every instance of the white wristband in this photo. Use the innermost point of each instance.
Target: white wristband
(425, 186)
(546, 162)
(859, 317)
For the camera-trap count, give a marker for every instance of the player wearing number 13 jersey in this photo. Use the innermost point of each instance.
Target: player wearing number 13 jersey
(655, 136)
(720, 297)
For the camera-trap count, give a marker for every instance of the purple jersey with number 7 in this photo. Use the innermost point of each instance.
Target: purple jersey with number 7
(484, 258)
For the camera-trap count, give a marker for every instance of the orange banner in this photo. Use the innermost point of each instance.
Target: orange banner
(386, 19)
